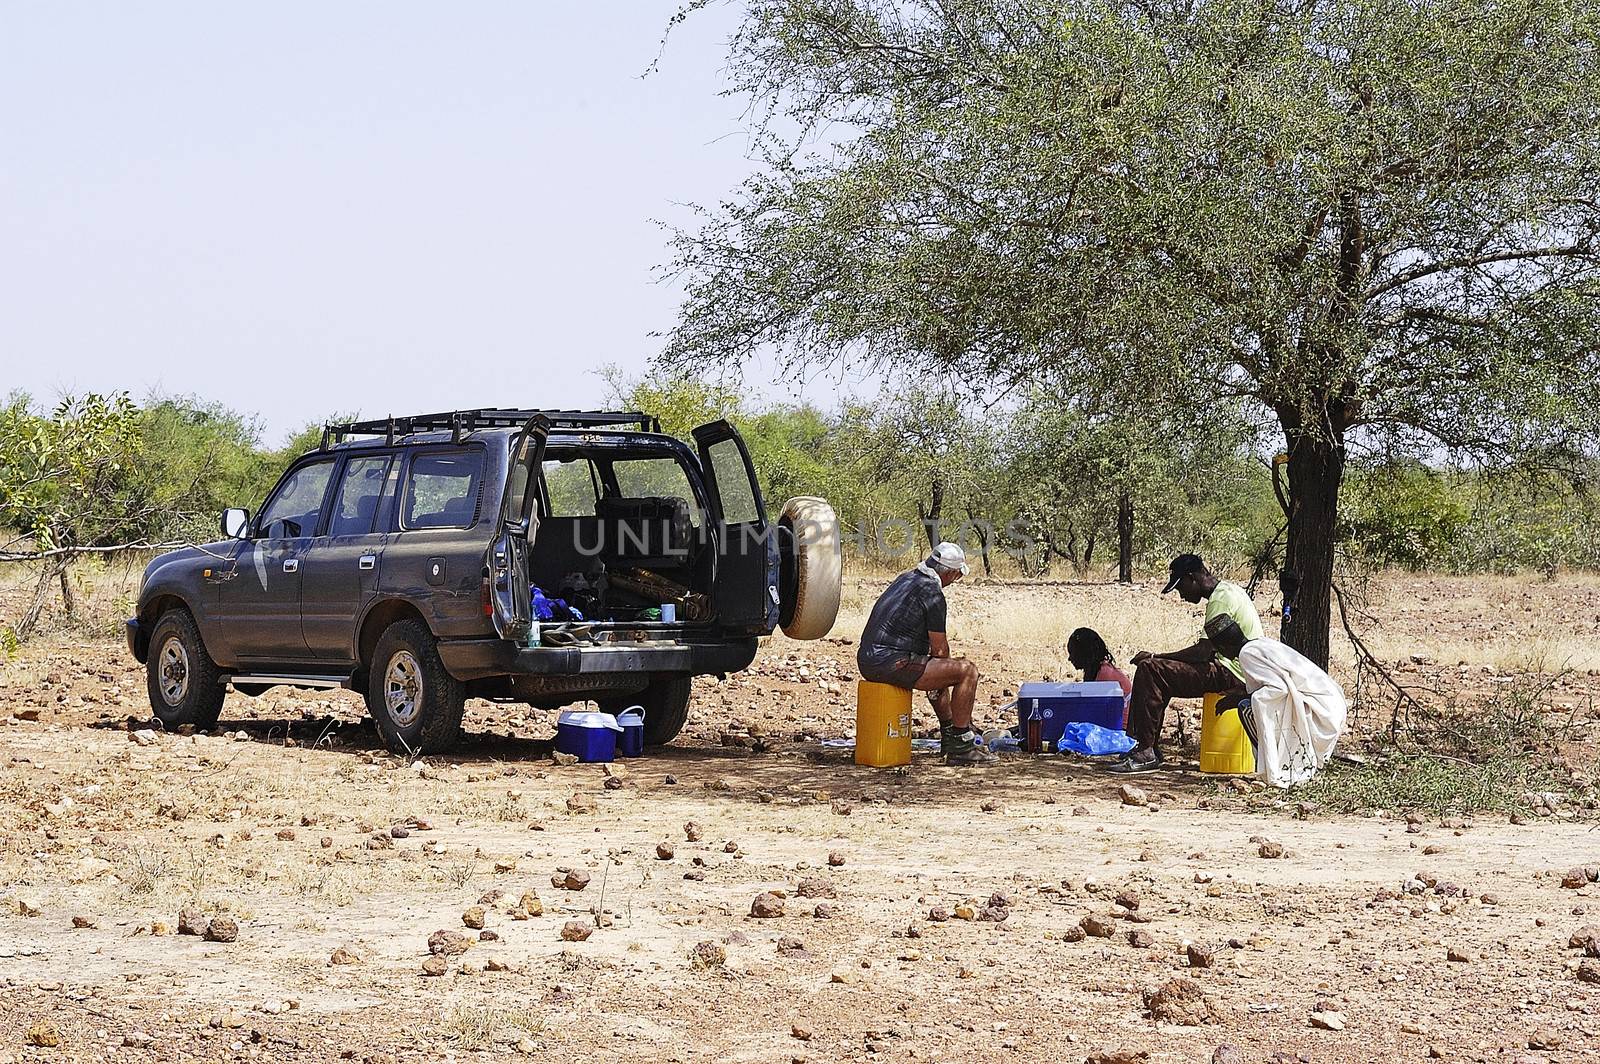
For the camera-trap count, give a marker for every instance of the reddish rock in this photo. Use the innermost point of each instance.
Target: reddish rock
(1098, 926)
(222, 929)
(1181, 1001)
(448, 943)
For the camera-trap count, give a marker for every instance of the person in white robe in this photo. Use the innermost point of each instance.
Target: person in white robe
(1295, 711)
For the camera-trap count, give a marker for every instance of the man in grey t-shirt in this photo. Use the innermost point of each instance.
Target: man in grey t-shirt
(905, 644)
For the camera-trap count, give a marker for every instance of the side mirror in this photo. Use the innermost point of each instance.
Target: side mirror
(235, 523)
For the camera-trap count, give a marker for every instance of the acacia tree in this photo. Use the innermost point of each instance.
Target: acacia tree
(1373, 219)
(1079, 472)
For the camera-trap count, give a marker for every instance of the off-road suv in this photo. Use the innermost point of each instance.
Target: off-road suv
(546, 557)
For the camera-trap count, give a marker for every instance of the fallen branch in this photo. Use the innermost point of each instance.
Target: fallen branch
(1368, 658)
(58, 552)
(120, 548)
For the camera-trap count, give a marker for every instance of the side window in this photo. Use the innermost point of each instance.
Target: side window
(442, 489)
(656, 478)
(734, 490)
(296, 508)
(356, 504)
(569, 485)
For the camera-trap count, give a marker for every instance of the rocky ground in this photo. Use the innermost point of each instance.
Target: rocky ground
(286, 890)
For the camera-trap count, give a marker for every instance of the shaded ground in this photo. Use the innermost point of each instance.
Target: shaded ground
(94, 825)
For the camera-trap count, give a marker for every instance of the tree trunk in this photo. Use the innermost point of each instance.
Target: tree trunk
(983, 541)
(1125, 538)
(68, 601)
(930, 516)
(41, 594)
(1316, 466)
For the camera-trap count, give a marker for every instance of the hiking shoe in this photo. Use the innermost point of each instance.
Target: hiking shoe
(1134, 763)
(966, 748)
(972, 754)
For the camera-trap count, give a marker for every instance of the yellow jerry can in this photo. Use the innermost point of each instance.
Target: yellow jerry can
(1224, 747)
(883, 724)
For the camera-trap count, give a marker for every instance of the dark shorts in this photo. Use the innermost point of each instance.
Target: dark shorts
(891, 665)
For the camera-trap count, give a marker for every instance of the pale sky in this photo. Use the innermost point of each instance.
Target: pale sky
(300, 208)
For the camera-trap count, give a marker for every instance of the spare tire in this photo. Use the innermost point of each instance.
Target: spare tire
(810, 568)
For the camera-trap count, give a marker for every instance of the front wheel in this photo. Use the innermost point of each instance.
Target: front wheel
(185, 684)
(416, 704)
(666, 708)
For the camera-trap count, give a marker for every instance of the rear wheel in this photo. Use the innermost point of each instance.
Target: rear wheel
(185, 685)
(416, 704)
(666, 708)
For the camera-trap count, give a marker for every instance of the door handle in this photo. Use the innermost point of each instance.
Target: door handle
(368, 561)
(291, 565)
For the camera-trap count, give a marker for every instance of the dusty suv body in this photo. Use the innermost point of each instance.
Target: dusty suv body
(397, 560)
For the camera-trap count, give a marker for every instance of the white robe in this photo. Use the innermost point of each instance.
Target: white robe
(1298, 708)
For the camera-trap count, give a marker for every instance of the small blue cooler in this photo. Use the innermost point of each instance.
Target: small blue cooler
(588, 736)
(631, 743)
(1060, 704)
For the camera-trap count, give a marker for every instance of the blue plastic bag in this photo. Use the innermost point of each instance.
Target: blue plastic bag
(1085, 738)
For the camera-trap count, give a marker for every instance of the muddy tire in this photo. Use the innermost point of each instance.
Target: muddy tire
(810, 568)
(185, 685)
(666, 708)
(414, 701)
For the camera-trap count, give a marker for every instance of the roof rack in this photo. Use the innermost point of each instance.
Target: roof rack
(460, 422)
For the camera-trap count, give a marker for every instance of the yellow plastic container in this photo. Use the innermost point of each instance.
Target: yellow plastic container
(1224, 747)
(883, 724)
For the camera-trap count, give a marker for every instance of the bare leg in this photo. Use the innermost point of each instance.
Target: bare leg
(956, 680)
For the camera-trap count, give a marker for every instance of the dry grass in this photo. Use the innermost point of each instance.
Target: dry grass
(474, 1027)
(1513, 624)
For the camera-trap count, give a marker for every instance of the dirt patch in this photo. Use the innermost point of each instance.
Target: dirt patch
(877, 948)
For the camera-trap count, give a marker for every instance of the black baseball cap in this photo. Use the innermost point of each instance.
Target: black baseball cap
(1182, 566)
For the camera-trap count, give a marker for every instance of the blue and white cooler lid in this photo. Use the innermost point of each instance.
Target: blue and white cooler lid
(1094, 689)
(589, 719)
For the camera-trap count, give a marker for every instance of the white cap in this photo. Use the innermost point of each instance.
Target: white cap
(950, 556)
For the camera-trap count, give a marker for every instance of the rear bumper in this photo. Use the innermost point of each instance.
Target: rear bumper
(478, 659)
(138, 639)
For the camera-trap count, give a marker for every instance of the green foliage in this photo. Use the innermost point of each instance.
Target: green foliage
(63, 478)
(1073, 463)
(100, 472)
(1041, 471)
(1403, 514)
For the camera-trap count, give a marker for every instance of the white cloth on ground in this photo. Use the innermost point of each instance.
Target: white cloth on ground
(1298, 708)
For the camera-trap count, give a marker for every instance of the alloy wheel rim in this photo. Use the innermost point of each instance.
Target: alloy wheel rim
(402, 688)
(173, 671)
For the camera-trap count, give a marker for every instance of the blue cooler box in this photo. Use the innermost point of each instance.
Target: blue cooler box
(631, 742)
(1060, 704)
(588, 736)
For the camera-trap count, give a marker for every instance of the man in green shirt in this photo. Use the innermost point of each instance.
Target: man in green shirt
(1194, 671)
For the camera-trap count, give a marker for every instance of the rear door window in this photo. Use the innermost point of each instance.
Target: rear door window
(569, 485)
(734, 487)
(442, 489)
(355, 507)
